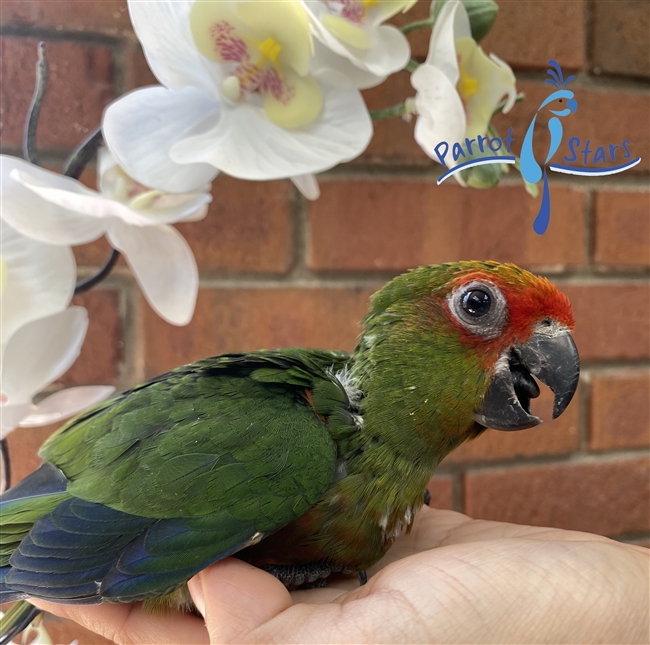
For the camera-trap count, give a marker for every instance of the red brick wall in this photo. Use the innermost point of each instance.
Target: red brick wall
(277, 270)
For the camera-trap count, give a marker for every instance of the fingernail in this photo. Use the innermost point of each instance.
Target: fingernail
(196, 591)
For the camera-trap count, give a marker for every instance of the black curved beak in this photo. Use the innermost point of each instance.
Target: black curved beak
(552, 357)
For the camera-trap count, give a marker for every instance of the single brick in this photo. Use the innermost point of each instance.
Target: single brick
(107, 16)
(249, 227)
(79, 87)
(553, 437)
(603, 118)
(231, 320)
(620, 37)
(527, 33)
(611, 320)
(101, 353)
(364, 224)
(605, 497)
(620, 410)
(622, 229)
(441, 488)
(393, 140)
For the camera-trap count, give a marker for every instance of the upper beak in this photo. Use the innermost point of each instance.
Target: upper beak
(552, 357)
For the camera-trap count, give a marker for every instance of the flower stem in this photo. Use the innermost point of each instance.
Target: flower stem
(83, 153)
(412, 65)
(389, 113)
(89, 283)
(418, 24)
(74, 166)
(42, 69)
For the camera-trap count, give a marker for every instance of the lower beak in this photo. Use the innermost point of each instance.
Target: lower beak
(550, 357)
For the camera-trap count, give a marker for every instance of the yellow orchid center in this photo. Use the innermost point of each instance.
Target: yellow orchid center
(4, 274)
(266, 48)
(270, 49)
(130, 192)
(467, 84)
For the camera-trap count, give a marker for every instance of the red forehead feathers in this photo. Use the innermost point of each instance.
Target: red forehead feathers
(530, 299)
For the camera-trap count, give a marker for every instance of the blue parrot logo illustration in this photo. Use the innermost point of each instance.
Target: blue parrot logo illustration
(530, 169)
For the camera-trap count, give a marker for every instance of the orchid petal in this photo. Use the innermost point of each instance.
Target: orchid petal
(331, 69)
(245, 144)
(142, 126)
(379, 50)
(163, 28)
(493, 81)
(307, 185)
(36, 217)
(11, 414)
(389, 53)
(41, 351)
(163, 265)
(39, 279)
(452, 23)
(66, 403)
(441, 114)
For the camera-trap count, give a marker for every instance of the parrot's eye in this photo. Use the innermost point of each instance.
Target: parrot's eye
(476, 302)
(479, 307)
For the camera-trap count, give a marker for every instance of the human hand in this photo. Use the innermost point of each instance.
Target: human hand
(452, 580)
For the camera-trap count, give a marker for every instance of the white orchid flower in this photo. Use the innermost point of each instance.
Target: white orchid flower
(58, 210)
(36, 280)
(237, 96)
(36, 284)
(458, 86)
(366, 52)
(36, 355)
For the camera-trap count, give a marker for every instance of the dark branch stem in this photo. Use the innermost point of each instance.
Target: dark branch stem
(83, 153)
(42, 69)
(74, 166)
(89, 283)
(6, 466)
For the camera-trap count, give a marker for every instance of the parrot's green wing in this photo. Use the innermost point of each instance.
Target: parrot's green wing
(186, 469)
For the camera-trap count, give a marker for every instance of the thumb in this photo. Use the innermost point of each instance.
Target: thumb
(236, 598)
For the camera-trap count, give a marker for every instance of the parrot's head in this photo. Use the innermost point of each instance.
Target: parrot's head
(560, 103)
(475, 336)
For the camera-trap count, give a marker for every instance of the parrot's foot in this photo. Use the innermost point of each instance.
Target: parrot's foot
(299, 576)
(427, 497)
(363, 577)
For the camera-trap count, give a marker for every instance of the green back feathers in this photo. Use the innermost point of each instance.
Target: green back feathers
(235, 432)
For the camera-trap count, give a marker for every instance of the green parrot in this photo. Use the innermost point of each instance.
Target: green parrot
(302, 462)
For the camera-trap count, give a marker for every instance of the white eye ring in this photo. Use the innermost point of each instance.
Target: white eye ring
(487, 326)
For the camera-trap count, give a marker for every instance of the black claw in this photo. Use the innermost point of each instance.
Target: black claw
(427, 497)
(363, 577)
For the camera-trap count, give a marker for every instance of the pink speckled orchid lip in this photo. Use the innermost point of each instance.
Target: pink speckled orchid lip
(265, 51)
